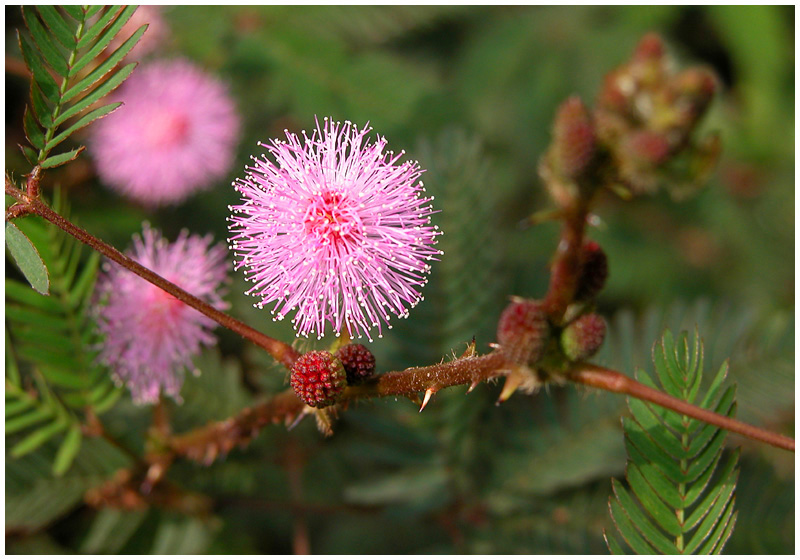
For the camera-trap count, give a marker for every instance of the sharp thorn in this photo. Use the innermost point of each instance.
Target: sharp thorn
(428, 394)
(512, 382)
(472, 386)
(294, 422)
(470, 351)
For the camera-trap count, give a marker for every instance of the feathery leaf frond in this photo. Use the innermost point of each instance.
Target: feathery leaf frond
(680, 493)
(53, 338)
(65, 50)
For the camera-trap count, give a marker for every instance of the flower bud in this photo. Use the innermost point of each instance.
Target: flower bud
(318, 378)
(573, 138)
(645, 146)
(523, 331)
(695, 89)
(583, 337)
(358, 362)
(650, 48)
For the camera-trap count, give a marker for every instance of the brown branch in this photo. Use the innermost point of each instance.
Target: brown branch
(281, 351)
(616, 382)
(205, 444)
(566, 268)
(473, 370)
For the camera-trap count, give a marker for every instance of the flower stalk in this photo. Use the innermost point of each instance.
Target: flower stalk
(281, 351)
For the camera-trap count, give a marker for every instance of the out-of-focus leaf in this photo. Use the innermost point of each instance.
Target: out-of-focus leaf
(27, 258)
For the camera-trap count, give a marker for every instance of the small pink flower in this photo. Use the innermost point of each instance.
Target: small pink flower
(151, 337)
(336, 229)
(175, 134)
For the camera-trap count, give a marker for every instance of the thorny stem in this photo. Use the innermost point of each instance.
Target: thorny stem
(281, 351)
(616, 382)
(206, 443)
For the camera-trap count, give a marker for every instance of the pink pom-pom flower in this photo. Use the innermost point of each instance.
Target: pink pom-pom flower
(335, 229)
(175, 134)
(151, 337)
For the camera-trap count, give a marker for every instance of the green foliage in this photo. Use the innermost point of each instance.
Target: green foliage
(27, 258)
(680, 495)
(35, 497)
(64, 50)
(53, 338)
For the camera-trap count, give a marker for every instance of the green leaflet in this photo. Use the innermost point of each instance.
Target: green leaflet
(53, 338)
(71, 44)
(27, 258)
(679, 497)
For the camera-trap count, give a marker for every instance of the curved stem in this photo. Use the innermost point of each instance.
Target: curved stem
(616, 382)
(281, 351)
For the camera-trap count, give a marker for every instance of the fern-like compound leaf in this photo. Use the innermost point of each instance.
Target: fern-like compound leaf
(66, 51)
(679, 497)
(52, 377)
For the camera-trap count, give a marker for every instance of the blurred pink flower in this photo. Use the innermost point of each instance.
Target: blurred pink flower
(153, 38)
(335, 229)
(175, 134)
(150, 337)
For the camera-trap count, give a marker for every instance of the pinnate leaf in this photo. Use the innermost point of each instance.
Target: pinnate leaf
(679, 500)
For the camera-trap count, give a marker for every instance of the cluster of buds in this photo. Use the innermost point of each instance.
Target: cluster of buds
(639, 136)
(319, 378)
(645, 117)
(524, 330)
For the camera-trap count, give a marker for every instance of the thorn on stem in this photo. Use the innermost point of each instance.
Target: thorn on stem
(428, 394)
(513, 381)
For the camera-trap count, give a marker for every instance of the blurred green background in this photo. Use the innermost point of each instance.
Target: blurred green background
(470, 92)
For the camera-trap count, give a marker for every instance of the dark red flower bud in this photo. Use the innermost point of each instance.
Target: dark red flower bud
(318, 378)
(358, 362)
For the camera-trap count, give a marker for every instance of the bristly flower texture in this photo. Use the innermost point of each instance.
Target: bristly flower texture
(336, 229)
(175, 134)
(151, 337)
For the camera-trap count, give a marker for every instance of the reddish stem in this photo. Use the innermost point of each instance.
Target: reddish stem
(281, 351)
(566, 268)
(616, 382)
